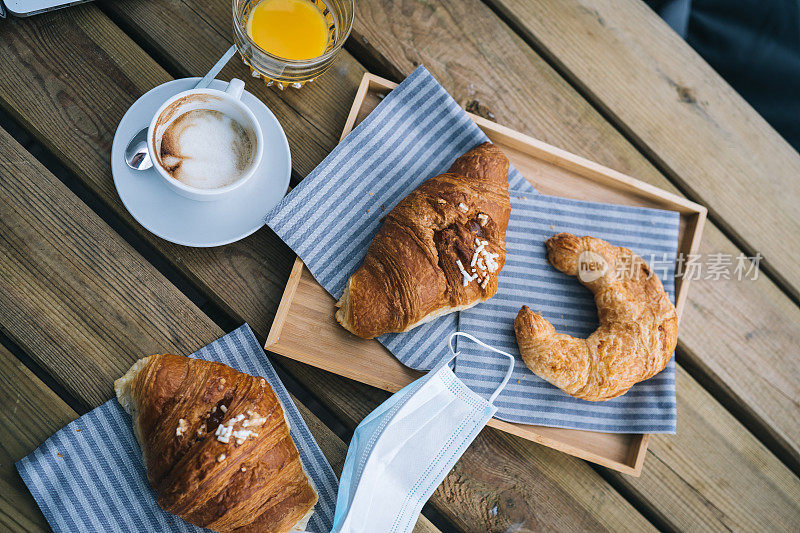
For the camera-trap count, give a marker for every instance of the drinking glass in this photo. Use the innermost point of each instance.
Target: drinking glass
(291, 72)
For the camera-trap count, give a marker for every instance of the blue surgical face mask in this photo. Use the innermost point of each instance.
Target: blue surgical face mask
(403, 450)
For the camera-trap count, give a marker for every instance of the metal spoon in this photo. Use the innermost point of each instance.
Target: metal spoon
(136, 154)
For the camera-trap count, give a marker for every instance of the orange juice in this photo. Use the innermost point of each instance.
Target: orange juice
(291, 29)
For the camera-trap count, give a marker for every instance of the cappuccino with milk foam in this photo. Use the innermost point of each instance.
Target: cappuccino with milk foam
(206, 149)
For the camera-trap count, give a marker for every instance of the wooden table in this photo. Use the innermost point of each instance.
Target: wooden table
(84, 290)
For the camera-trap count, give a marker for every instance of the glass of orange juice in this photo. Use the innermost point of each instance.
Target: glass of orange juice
(290, 42)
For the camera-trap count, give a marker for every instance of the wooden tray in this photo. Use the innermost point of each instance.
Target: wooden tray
(304, 327)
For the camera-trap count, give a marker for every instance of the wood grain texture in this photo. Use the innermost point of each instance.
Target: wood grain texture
(743, 486)
(491, 72)
(680, 112)
(228, 277)
(83, 304)
(31, 413)
(743, 337)
(76, 296)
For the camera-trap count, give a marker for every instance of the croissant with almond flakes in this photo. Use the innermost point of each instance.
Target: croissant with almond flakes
(216, 445)
(439, 250)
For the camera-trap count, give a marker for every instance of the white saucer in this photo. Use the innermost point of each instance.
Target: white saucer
(188, 222)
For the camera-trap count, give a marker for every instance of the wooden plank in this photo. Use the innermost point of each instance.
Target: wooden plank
(75, 296)
(31, 413)
(490, 72)
(228, 273)
(230, 277)
(743, 337)
(743, 486)
(81, 302)
(680, 112)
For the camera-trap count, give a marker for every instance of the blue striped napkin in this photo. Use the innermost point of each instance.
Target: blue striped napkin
(89, 476)
(416, 132)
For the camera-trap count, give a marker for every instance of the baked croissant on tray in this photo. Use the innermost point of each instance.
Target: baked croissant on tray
(438, 251)
(216, 445)
(638, 323)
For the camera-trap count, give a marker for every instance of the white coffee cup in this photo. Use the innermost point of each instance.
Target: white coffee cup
(227, 103)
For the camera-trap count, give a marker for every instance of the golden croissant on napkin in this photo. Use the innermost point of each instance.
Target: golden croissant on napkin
(438, 251)
(638, 323)
(216, 445)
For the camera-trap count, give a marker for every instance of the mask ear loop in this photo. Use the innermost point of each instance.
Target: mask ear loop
(510, 370)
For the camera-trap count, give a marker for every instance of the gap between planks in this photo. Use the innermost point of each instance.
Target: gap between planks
(74, 403)
(647, 152)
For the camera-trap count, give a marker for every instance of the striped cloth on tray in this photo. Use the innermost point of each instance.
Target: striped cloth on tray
(416, 132)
